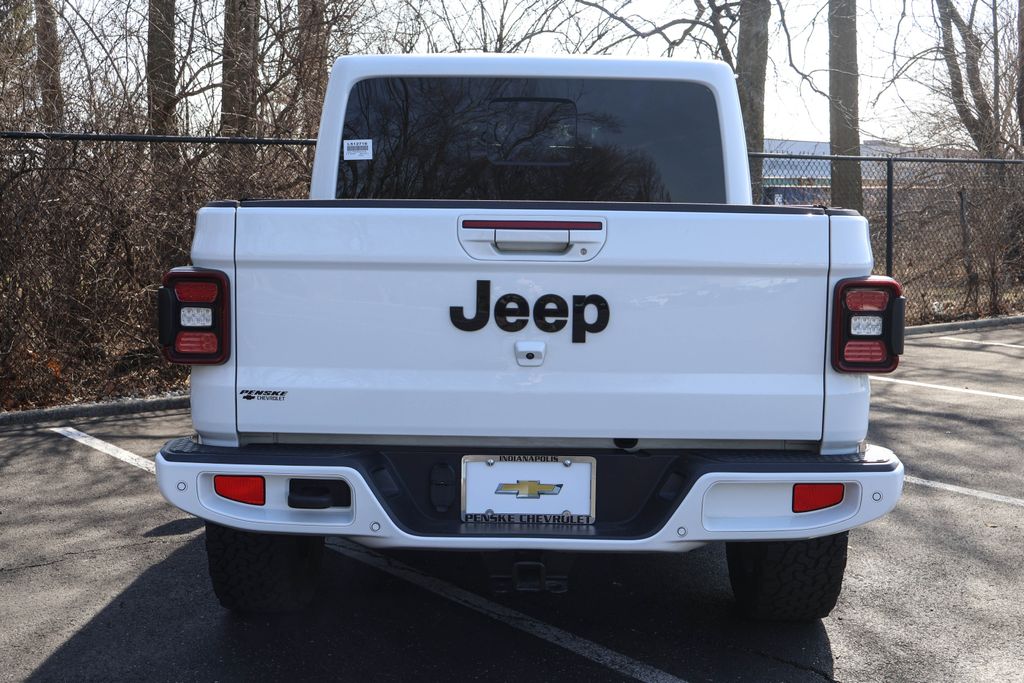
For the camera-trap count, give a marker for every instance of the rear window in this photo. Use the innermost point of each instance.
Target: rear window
(532, 139)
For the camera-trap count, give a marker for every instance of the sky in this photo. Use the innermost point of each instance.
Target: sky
(794, 111)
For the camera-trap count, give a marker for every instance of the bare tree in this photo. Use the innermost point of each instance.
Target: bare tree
(972, 104)
(240, 70)
(751, 64)
(844, 118)
(48, 59)
(482, 26)
(161, 76)
(311, 64)
(707, 27)
(239, 100)
(1020, 72)
(16, 61)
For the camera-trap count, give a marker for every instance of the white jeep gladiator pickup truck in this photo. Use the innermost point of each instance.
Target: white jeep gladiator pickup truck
(529, 307)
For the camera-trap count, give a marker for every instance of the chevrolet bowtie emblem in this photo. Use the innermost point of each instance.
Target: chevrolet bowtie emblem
(529, 489)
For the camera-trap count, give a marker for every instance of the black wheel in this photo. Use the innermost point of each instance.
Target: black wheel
(262, 572)
(788, 580)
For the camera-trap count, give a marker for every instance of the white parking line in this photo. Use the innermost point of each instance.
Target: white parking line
(108, 448)
(965, 491)
(588, 649)
(981, 343)
(943, 387)
(984, 343)
(510, 617)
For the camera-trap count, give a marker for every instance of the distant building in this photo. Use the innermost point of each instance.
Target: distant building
(809, 181)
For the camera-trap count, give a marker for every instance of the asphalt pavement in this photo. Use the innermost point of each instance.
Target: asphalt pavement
(100, 579)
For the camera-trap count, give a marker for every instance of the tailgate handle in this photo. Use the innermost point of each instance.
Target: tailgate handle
(531, 239)
(554, 241)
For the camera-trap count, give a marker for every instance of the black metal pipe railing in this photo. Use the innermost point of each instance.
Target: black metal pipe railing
(139, 137)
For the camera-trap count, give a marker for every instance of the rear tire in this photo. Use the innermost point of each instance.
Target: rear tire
(788, 580)
(254, 572)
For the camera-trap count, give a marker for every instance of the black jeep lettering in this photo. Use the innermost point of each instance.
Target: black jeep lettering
(511, 312)
(483, 309)
(580, 326)
(550, 313)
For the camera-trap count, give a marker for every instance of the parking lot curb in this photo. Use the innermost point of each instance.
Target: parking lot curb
(123, 406)
(979, 324)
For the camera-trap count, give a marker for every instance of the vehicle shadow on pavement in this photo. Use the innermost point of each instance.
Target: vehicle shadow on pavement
(674, 612)
(671, 612)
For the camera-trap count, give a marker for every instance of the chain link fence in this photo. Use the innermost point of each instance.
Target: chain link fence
(951, 230)
(89, 224)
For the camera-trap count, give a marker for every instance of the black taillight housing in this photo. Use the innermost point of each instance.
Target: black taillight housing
(193, 313)
(867, 324)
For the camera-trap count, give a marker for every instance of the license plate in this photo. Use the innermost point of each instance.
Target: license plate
(528, 489)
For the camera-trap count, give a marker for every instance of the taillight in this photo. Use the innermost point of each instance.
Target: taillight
(193, 313)
(196, 291)
(867, 318)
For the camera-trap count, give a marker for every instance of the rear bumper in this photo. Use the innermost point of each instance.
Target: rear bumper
(692, 498)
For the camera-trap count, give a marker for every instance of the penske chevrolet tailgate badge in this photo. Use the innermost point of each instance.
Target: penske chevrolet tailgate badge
(530, 488)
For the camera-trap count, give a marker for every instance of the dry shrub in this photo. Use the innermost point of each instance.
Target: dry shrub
(86, 231)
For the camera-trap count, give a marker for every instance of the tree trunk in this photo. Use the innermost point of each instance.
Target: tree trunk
(238, 96)
(844, 117)
(1020, 69)
(238, 91)
(166, 178)
(160, 74)
(312, 64)
(48, 66)
(751, 64)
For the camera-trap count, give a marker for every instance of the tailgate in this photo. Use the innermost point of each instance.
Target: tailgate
(363, 319)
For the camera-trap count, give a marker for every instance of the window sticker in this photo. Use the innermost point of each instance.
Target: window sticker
(357, 149)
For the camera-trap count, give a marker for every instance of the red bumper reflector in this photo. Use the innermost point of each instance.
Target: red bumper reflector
(243, 489)
(867, 299)
(864, 352)
(810, 497)
(195, 292)
(195, 342)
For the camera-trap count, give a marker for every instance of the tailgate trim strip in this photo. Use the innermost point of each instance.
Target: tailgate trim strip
(529, 205)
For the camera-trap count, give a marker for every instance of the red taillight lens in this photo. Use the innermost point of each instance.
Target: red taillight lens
(867, 299)
(179, 315)
(242, 489)
(196, 292)
(865, 352)
(811, 497)
(196, 342)
(870, 307)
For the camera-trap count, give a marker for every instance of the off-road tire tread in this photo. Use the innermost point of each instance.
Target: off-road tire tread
(788, 580)
(260, 573)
